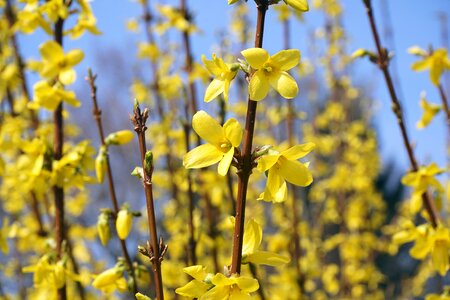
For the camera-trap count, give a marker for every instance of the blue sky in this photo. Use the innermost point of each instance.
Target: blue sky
(415, 22)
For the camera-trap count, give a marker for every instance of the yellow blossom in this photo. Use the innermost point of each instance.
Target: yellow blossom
(110, 280)
(57, 64)
(271, 71)
(49, 96)
(234, 287)
(221, 142)
(103, 228)
(437, 62)
(283, 166)
(301, 5)
(429, 111)
(119, 138)
(101, 164)
(223, 73)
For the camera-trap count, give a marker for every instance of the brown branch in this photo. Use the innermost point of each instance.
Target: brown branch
(155, 250)
(444, 103)
(58, 192)
(383, 63)
(245, 169)
(112, 191)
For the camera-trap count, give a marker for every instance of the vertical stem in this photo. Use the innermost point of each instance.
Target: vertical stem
(247, 163)
(57, 154)
(112, 191)
(210, 212)
(156, 250)
(444, 103)
(383, 62)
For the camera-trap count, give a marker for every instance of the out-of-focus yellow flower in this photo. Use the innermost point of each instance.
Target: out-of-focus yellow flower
(57, 64)
(429, 111)
(174, 19)
(271, 71)
(149, 51)
(110, 280)
(49, 96)
(101, 164)
(3, 236)
(124, 223)
(140, 296)
(283, 166)
(86, 21)
(221, 142)
(437, 63)
(223, 73)
(300, 5)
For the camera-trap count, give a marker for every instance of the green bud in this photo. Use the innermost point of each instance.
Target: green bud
(148, 163)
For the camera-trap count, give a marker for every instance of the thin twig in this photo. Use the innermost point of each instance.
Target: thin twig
(383, 63)
(155, 250)
(112, 191)
(245, 169)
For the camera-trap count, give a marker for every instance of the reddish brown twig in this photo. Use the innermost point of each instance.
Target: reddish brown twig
(246, 166)
(112, 191)
(155, 250)
(383, 63)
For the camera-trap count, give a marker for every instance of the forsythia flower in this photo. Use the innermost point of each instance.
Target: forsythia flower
(110, 280)
(56, 63)
(271, 71)
(252, 242)
(224, 74)
(101, 164)
(49, 97)
(437, 62)
(283, 166)
(427, 240)
(103, 228)
(429, 111)
(3, 236)
(207, 286)
(221, 142)
(140, 296)
(124, 222)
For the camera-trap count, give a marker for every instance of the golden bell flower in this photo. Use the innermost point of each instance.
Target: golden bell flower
(223, 75)
(429, 111)
(101, 164)
(437, 63)
(110, 280)
(103, 228)
(124, 223)
(119, 138)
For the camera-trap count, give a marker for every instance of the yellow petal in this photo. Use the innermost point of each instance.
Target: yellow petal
(295, 173)
(247, 284)
(266, 162)
(51, 51)
(233, 132)
(286, 59)
(207, 128)
(436, 71)
(221, 280)
(284, 84)
(212, 68)
(74, 57)
(225, 163)
(124, 223)
(256, 57)
(198, 272)
(298, 151)
(421, 65)
(214, 89)
(193, 289)
(440, 257)
(252, 237)
(202, 156)
(259, 86)
(421, 248)
(217, 293)
(67, 77)
(267, 258)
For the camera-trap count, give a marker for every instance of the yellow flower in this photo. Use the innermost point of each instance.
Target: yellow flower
(140, 296)
(57, 64)
(86, 21)
(174, 19)
(110, 280)
(49, 97)
(437, 62)
(148, 50)
(223, 73)
(221, 142)
(301, 5)
(4, 235)
(423, 178)
(124, 222)
(119, 138)
(199, 286)
(429, 111)
(252, 242)
(271, 71)
(233, 287)
(283, 166)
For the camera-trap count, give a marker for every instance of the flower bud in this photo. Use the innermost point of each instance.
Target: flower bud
(119, 138)
(148, 163)
(100, 164)
(103, 228)
(123, 223)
